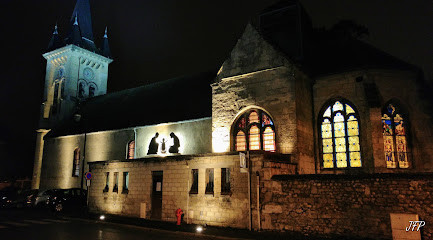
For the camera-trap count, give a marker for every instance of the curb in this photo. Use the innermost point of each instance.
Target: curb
(151, 229)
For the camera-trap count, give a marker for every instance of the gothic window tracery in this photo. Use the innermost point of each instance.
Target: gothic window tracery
(394, 126)
(339, 136)
(254, 130)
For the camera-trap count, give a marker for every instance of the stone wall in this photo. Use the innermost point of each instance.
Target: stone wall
(229, 210)
(214, 209)
(304, 124)
(347, 87)
(400, 86)
(353, 206)
(58, 155)
(255, 75)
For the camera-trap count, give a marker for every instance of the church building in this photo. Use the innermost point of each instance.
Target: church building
(299, 130)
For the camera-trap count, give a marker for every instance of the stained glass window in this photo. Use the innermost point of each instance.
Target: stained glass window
(76, 163)
(394, 137)
(254, 117)
(254, 138)
(269, 140)
(254, 130)
(131, 149)
(241, 142)
(340, 147)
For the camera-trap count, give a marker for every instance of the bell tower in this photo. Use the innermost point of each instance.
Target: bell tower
(76, 71)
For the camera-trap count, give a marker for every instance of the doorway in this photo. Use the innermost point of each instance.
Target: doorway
(156, 195)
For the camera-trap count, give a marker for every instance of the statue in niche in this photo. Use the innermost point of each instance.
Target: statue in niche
(81, 90)
(163, 145)
(176, 144)
(91, 91)
(153, 146)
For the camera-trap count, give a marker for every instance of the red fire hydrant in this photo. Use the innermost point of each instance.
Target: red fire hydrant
(179, 214)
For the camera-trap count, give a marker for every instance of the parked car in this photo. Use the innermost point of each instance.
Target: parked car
(24, 198)
(67, 199)
(7, 196)
(41, 198)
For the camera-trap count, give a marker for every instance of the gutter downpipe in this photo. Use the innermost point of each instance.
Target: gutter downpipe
(249, 192)
(258, 201)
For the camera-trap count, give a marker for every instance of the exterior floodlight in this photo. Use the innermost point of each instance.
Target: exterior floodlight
(102, 217)
(199, 229)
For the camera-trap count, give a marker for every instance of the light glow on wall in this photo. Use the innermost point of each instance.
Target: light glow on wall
(165, 137)
(221, 140)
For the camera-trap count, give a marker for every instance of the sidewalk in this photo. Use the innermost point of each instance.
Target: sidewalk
(223, 232)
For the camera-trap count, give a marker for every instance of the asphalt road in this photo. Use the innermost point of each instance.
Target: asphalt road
(29, 224)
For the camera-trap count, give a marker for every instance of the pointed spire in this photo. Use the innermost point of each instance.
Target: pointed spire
(81, 17)
(55, 41)
(75, 36)
(76, 19)
(55, 29)
(82, 12)
(105, 46)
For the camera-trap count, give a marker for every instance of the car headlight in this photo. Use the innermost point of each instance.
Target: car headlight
(4, 197)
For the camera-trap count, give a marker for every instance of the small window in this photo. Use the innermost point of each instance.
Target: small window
(76, 163)
(194, 185)
(107, 181)
(125, 182)
(209, 181)
(225, 181)
(131, 150)
(116, 182)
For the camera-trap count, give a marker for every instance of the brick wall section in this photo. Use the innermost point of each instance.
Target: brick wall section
(357, 206)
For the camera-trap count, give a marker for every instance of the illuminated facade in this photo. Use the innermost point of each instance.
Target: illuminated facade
(291, 117)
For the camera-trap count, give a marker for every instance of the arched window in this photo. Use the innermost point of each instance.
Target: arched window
(394, 126)
(131, 150)
(339, 136)
(254, 130)
(76, 163)
(57, 96)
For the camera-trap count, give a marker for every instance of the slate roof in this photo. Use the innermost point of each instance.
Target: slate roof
(324, 52)
(333, 56)
(173, 100)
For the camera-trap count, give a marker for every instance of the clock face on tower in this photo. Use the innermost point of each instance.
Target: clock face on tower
(88, 74)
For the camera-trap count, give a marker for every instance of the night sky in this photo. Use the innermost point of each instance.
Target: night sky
(156, 40)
